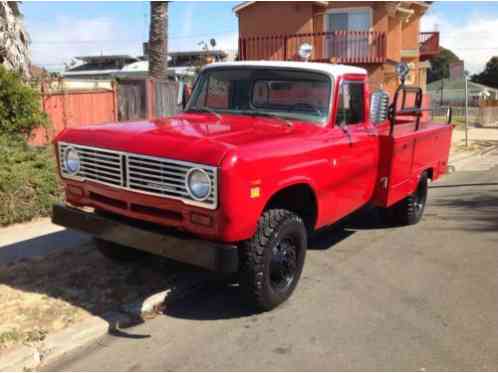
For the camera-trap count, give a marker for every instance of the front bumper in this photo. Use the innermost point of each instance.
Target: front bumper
(156, 240)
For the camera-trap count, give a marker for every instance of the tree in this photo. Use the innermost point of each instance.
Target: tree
(489, 76)
(20, 109)
(158, 40)
(440, 65)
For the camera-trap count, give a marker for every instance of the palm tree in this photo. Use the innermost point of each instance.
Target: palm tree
(158, 40)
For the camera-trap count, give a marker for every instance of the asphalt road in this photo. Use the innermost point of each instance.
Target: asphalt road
(423, 297)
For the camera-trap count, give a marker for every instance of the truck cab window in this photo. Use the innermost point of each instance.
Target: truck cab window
(350, 110)
(285, 93)
(218, 91)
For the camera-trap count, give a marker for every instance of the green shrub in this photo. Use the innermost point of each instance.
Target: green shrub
(28, 180)
(20, 106)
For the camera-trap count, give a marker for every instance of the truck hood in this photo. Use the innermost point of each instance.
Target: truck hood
(200, 138)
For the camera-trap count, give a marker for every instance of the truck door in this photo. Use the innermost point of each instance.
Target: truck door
(356, 172)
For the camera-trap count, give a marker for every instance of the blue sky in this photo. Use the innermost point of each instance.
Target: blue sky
(63, 30)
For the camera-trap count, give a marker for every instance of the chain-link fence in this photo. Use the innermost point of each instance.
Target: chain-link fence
(483, 116)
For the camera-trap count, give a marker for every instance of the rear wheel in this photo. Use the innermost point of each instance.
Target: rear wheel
(410, 210)
(118, 253)
(272, 261)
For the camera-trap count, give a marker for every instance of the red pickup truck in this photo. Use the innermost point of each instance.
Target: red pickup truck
(264, 154)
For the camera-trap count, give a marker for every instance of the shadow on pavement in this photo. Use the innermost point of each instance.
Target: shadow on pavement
(220, 298)
(478, 210)
(462, 185)
(40, 296)
(64, 287)
(217, 301)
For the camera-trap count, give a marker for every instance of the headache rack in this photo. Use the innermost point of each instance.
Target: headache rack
(399, 108)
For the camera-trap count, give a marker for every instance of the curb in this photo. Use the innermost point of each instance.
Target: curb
(78, 335)
(54, 346)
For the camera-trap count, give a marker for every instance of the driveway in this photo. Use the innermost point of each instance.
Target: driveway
(423, 297)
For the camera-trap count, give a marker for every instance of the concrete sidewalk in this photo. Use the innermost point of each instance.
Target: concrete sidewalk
(481, 141)
(36, 238)
(477, 135)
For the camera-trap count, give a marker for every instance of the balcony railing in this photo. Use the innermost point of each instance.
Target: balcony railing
(429, 45)
(349, 47)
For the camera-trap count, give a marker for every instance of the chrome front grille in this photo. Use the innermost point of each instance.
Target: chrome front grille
(139, 173)
(96, 164)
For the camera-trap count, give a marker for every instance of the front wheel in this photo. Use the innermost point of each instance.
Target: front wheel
(272, 261)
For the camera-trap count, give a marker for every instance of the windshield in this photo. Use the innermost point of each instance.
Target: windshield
(288, 94)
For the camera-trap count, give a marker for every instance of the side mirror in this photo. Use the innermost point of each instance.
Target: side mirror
(379, 106)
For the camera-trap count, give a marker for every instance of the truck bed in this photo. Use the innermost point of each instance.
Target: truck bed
(407, 153)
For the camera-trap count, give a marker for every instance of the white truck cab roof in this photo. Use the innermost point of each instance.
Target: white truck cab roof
(332, 70)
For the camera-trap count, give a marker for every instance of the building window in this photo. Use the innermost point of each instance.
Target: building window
(342, 45)
(349, 19)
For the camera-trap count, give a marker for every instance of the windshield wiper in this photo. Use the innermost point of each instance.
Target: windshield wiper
(265, 114)
(204, 109)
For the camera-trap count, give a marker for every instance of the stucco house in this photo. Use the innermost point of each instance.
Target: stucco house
(373, 35)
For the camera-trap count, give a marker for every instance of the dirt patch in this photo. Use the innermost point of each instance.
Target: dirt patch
(43, 295)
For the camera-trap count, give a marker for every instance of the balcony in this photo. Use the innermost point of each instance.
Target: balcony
(345, 47)
(429, 45)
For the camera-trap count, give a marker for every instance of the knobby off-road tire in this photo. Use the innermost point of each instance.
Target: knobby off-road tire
(410, 210)
(272, 261)
(118, 253)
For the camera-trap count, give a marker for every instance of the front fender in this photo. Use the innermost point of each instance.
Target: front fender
(247, 187)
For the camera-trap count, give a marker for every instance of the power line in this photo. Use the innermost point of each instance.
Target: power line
(50, 42)
(479, 48)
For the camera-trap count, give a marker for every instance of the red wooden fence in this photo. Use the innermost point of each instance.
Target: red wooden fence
(71, 108)
(75, 108)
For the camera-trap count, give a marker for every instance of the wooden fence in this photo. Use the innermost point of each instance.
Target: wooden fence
(132, 99)
(74, 108)
(166, 97)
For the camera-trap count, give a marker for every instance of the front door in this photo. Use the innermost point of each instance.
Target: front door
(344, 43)
(356, 156)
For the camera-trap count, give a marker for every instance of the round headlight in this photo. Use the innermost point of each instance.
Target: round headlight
(71, 161)
(198, 184)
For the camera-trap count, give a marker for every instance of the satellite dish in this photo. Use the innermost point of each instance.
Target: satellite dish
(304, 51)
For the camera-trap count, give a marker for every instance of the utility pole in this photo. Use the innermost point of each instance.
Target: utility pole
(466, 109)
(442, 90)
